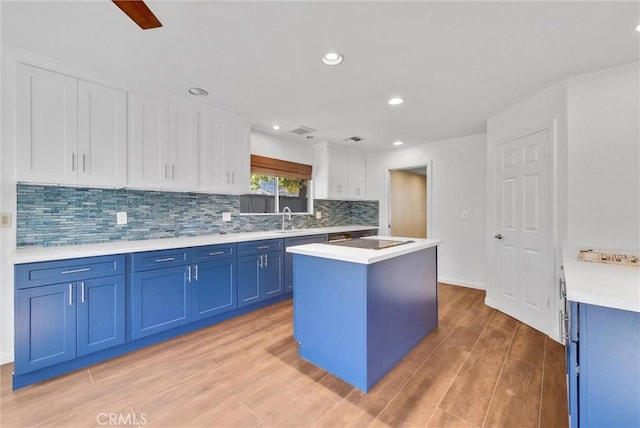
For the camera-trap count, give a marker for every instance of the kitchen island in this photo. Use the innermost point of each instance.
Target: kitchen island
(358, 311)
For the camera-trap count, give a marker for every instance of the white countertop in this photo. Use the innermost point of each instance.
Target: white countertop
(364, 255)
(609, 285)
(41, 254)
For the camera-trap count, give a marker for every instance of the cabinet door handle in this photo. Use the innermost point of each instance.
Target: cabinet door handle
(70, 294)
(260, 262)
(166, 259)
(233, 178)
(82, 291)
(83, 162)
(173, 172)
(266, 260)
(73, 161)
(216, 253)
(76, 270)
(195, 273)
(227, 177)
(262, 247)
(165, 170)
(562, 288)
(188, 273)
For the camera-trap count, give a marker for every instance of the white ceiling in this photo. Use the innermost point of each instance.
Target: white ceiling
(456, 63)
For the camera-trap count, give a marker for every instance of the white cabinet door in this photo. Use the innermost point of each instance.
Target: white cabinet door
(236, 156)
(148, 128)
(182, 149)
(338, 173)
(102, 135)
(357, 176)
(47, 126)
(224, 154)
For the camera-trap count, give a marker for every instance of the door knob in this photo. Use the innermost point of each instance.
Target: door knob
(498, 236)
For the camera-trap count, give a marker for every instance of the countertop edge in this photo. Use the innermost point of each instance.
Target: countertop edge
(361, 255)
(23, 255)
(600, 284)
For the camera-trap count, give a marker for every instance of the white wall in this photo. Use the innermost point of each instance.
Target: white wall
(458, 174)
(604, 158)
(270, 146)
(7, 205)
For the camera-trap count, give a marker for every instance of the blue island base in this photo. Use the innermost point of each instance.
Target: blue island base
(357, 321)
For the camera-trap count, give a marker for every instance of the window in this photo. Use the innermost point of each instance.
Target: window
(276, 184)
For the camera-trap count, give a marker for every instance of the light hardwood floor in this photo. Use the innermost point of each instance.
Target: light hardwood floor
(479, 368)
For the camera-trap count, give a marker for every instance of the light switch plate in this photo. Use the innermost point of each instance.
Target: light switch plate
(5, 220)
(121, 217)
(226, 216)
(318, 215)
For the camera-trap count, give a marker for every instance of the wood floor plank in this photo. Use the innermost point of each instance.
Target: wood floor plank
(553, 410)
(470, 394)
(442, 419)
(418, 400)
(358, 409)
(528, 345)
(516, 401)
(237, 416)
(304, 411)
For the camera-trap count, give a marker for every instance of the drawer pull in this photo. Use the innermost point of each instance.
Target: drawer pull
(166, 259)
(216, 253)
(70, 294)
(263, 247)
(82, 291)
(76, 270)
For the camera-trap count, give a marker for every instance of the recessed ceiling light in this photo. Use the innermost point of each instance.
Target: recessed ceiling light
(395, 101)
(397, 143)
(276, 126)
(332, 58)
(198, 92)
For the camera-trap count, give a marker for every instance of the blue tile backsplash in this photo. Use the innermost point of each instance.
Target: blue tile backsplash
(53, 215)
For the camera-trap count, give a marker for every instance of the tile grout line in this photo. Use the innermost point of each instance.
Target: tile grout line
(252, 412)
(504, 361)
(462, 365)
(418, 368)
(90, 377)
(544, 366)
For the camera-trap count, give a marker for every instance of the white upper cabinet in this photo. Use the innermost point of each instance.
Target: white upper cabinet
(223, 153)
(102, 135)
(163, 144)
(357, 175)
(337, 173)
(69, 131)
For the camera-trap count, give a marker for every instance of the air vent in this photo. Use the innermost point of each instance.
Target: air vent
(353, 139)
(302, 130)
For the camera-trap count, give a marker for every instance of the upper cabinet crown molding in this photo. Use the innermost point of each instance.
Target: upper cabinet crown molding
(338, 173)
(69, 131)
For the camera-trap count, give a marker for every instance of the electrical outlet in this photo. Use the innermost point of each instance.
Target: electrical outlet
(318, 215)
(226, 216)
(464, 215)
(121, 217)
(5, 220)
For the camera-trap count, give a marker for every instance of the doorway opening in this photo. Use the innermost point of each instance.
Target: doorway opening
(408, 201)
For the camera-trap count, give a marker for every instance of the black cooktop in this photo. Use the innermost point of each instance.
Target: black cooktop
(371, 244)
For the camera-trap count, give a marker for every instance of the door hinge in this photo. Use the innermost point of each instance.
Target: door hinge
(548, 304)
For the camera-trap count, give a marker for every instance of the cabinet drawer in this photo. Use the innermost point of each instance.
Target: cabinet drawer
(160, 259)
(301, 240)
(259, 247)
(43, 273)
(214, 252)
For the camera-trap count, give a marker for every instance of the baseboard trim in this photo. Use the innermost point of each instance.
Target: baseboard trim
(6, 357)
(462, 283)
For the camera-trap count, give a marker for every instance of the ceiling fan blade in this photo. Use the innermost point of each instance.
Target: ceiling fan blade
(139, 13)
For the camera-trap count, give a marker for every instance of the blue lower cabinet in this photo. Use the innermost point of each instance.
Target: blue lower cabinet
(101, 305)
(288, 257)
(160, 299)
(60, 322)
(214, 289)
(604, 367)
(45, 326)
(260, 277)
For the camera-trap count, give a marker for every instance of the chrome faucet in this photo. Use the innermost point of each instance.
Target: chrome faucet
(287, 211)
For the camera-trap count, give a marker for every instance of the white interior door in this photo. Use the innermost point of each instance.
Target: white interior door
(524, 236)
